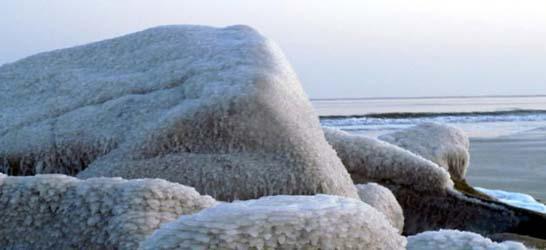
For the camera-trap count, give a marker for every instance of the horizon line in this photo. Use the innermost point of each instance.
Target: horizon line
(426, 97)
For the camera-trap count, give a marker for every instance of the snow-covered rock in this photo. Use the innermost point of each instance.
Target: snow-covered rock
(425, 191)
(382, 199)
(371, 160)
(219, 109)
(443, 144)
(61, 212)
(281, 222)
(457, 240)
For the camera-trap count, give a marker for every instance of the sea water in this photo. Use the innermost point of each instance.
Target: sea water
(513, 126)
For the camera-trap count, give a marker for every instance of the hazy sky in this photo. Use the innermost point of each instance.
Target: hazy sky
(366, 48)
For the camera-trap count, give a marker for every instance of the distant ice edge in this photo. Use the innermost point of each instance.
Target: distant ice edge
(515, 199)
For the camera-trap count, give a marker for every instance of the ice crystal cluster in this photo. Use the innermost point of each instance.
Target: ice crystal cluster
(458, 240)
(443, 144)
(281, 222)
(61, 212)
(218, 109)
(382, 199)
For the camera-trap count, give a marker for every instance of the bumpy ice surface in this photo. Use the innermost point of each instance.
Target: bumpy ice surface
(424, 190)
(445, 145)
(218, 109)
(457, 240)
(61, 212)
(281, 222)
(382, 199)
(369, 159)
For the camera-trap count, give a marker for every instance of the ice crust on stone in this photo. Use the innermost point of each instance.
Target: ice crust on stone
(62, 212)
(218, 109)
(515, 199)
(383, 200)
(443, 144)
(371, 160)
(458, 240)
(424, 190)
(281, 222)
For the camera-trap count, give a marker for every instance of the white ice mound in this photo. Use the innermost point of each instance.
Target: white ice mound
(382, 199)
(281, 222)
(445, 145)
(515, 199)
(371, 160)
(61, 212)
(218, 109)
(457, 240)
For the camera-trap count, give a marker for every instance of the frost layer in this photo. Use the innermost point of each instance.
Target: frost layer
(218, 109)
(382, 199)
(445, 145)
(281, 222)
(371, 160)
(425, 191)
(457, 240)
(61, 212)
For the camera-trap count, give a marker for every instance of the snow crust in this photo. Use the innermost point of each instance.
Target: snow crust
(457, 240)
(219, 109)
(281, 222)
(423, 189)
(382, 199)
(61, 212)
(372, 160)
(515, 199)
(443, 144)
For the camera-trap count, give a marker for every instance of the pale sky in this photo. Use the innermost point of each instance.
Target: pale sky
(366, 48)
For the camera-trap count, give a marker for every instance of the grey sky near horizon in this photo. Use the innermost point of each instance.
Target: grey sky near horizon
(368, 48)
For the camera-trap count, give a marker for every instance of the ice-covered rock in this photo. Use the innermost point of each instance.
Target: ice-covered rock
(425, 191)
(281, 222)
(219, 109)
(443, 144)
(458, 240)
(382, 199)
(515, 199)
(61, 212)
(371, 160)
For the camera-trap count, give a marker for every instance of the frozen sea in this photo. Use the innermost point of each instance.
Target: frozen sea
(507, 135)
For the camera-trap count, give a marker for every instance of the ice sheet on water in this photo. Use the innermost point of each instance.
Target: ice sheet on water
(520, 120)
(515, 199)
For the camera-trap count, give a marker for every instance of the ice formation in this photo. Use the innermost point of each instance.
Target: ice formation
(218, 109)
(61, 212)
(281, 222)
(425, 191)
(457, 240)
(516, 199)
(382, 199)
(371, 160)
(443, 144)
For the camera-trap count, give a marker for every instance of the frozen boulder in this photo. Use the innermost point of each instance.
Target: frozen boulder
(425, 191)
(371, 160)
(457, 240)
(281, 222)
(382, 199)
(218, 109)
(61, 212)
(443, 144)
